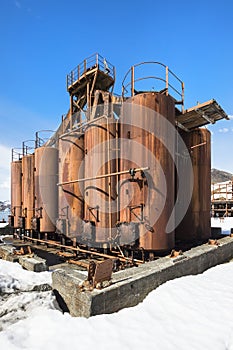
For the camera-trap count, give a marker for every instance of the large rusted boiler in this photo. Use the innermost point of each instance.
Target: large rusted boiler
(71, 168)
(46, 192)
(195, 225)
(147, 200)
(16, 193)
(28, 197)
(100, 210)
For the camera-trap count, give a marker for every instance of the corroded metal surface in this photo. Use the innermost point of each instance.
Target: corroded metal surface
(71, 206)
(196, 222)
(100, 194)
(16, 191)
(149, 199)
(46, 178)
(28, 197)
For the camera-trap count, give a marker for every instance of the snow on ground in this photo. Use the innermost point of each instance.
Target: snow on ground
(14, 277)
(18, 306)
(225, 223)
(193, 312)
(17, 295)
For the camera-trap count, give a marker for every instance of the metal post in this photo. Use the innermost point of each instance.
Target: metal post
(132, 81)
(62, 123)
(36, 141)
(97, 60)
(167, 70)
(88, 101)
(23, 148)
(182, 97)
(71, 111)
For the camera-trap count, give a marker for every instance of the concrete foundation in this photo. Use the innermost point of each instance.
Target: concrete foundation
(35, 263)
(6, 253)
(131, 286)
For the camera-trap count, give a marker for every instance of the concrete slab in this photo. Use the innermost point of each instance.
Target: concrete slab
(6, 253)
(35, 263)
(131, 286)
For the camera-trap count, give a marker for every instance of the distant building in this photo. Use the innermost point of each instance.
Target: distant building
(222, 199)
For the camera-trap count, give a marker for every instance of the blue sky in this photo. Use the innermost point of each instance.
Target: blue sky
(42, 40)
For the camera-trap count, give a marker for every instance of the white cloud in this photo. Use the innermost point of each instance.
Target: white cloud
(230, 116)
(5, 184)
(5, 156)
(223, 130)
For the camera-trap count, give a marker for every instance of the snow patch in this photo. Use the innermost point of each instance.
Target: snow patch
(192, 312)
(14, 278)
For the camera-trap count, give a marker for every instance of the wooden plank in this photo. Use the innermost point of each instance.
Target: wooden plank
(202, 114)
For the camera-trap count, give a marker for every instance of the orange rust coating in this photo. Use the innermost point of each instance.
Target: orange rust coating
(28, 189)
(16, 191)
(196, 222)
(71, 205)
(148, 192)
(100, 194)
(46, 192)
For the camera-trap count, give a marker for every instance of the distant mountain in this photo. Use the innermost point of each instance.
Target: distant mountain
(220, 176)
(4, 205)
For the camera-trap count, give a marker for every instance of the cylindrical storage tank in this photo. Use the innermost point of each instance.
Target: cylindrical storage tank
(28, 196)
(71, 167)
(195, 225)
(16, 191)
(100, 194)
(147, 199)
(46, 192)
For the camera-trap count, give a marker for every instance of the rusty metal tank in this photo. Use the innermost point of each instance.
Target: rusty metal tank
(16, 192)
(28, 196)
(71, 167)
(147, 199)
(46, 192)
(100, 194)
(195, 225)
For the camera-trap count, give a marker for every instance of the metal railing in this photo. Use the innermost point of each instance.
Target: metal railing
(16, 154)
(41, 141)
(176, 92)
(92, 62)
(28, 147)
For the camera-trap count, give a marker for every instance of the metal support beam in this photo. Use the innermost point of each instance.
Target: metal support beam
(204, 116)
(181, 126)
(103, 176)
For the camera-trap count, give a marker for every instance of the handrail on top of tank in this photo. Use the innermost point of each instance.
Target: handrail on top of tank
(27, 148)
(39, 141)
(93, 61)
(166, 80)
(16, 155)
